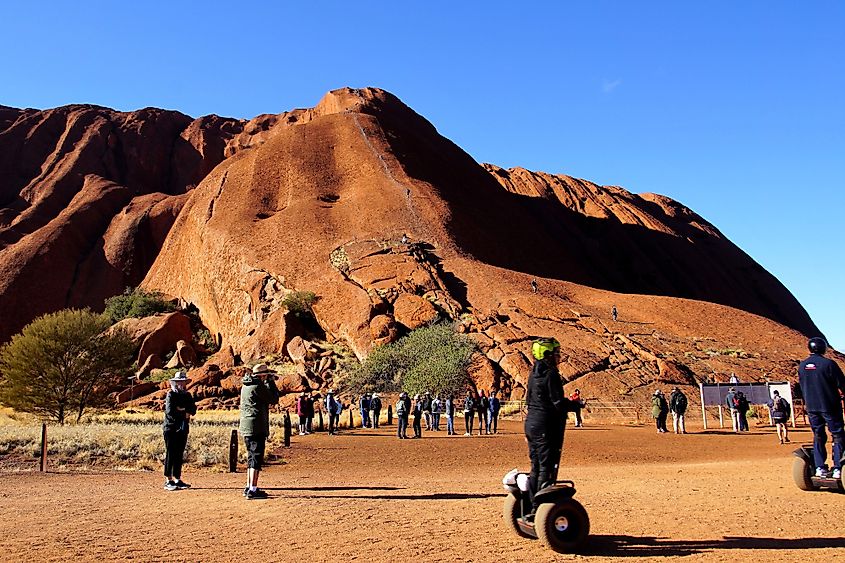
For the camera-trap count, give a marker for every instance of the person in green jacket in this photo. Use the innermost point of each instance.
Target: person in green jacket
(659, 410)
(258, 392)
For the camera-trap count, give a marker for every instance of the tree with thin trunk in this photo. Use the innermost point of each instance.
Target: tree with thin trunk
(63, 363)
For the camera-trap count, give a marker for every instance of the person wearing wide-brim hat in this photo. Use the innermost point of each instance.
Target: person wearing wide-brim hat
(258, 392)
(179, 406)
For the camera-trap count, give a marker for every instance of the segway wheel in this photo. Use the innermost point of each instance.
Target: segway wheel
(562, 526)
(511, 512)
(802, 474)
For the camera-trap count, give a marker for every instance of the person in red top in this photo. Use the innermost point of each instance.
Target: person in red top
(577, 404)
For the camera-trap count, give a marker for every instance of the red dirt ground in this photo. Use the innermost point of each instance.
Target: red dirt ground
(365, 496)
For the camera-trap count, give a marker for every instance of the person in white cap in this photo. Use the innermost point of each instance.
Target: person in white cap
(258, 392)
(179, 406)
(375, 407)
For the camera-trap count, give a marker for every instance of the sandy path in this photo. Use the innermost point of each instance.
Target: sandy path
(359, 496)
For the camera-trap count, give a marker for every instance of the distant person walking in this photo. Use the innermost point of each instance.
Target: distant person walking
(659, 410)
(731, 403)
(678, 405)
(436, 409)
(403, 411)
(534, 286)
(577, 404)
(258, 392)
(614, 313)
(823, 384)
(333, 408)
(418, 414)
(450, 415)
(179, 407)
(781, 413)
(375, 407)
(302, 413)
(469, 413)
(742, 407)
(493, 413)
(483, 405)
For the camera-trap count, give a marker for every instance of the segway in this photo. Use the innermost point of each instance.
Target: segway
(561, 522)
(804, 474)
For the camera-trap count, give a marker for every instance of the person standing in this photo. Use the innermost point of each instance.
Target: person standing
(483, 406)
(258, 392)
(577, 404)
(822, 384)
(375, 407)
(309, 413)
(450, 415)
(302, 413)
(678, 405)
(418, 413)
(333, 409)
(179, 407)
(426, 409)
(731, 403)
(403, 410)
(364, 406)
(436, 408)
(742, 408)
(469, 413)
(781, 413)
(659, 410)
(545, 422)
(614, 313)
(493, 413)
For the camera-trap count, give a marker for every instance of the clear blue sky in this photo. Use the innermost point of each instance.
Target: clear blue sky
(736, 109)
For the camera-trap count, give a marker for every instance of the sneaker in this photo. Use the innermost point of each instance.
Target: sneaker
(246, 490)
(256, 494)
(170, 486)
(180, 484)
(837, 474)
(821, 472)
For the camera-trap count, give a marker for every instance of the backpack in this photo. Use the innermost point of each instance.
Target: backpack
(681, 403)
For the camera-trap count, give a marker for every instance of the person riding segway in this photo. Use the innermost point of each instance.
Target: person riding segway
(538, 505)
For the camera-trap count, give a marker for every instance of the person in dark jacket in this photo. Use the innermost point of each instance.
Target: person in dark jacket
(302, 412)
(545, 422)
(678, 406)
(426, 409)
(742, 408)
(730, 403)
(333, 409)
(419, 405)
(469, 412)
(309, 413)
(179, 406)
(493, 413)
(258, 392)
(482, 406)
(375, 407)
(659, 410)
(403, 411)
(364, 407)
(781, 413)
(822, 383)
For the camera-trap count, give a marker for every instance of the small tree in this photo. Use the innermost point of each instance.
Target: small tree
(63, 363)
(433, 358)
(300, 302)
(136, 303)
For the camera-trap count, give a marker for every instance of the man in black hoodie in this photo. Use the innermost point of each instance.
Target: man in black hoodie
(546, 419)
(821, 382)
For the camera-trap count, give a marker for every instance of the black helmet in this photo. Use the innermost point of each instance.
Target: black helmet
(817, 345)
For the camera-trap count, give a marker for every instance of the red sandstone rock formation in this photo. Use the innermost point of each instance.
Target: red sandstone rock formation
(361, 201)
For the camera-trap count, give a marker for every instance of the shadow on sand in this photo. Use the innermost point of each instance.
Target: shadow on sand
(651, 547)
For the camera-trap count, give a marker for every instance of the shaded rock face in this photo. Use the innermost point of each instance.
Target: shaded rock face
(361, 201)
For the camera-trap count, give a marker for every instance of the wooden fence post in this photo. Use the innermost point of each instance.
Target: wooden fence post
(233, 452)
(43, 446)
(389, 415)
(351, 422)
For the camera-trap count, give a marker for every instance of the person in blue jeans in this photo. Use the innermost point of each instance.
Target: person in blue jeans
(450, 415)
(403, 409)
(822, 381)
(493, 413)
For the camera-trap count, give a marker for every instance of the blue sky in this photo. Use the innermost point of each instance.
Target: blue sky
(733, 108)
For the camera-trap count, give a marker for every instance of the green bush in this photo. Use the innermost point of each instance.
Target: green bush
(300, 302)
(136, 303)
(64, 363)
(433, 358)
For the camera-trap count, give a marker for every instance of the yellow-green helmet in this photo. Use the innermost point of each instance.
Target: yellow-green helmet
(544, 346)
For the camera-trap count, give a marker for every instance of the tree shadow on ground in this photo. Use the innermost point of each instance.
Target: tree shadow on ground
(632, 546)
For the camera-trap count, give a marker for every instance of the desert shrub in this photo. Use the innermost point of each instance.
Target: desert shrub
(63, 363)
(433, 358)
(300, 302)
(136, 303)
